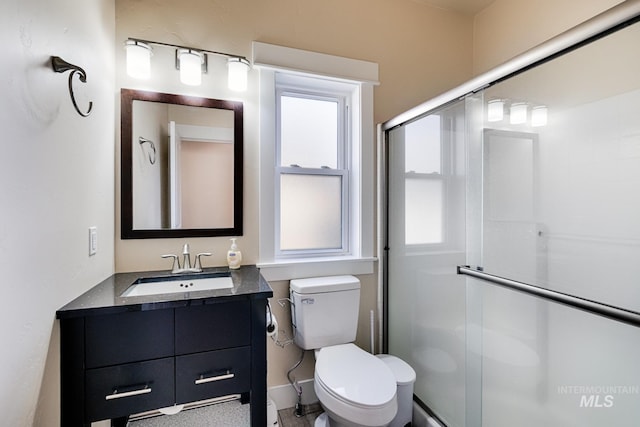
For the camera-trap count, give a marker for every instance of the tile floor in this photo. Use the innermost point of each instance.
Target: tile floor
(287, 418)
(227, 414)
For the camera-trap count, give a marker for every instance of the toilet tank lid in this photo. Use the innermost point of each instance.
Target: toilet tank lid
(314, 285)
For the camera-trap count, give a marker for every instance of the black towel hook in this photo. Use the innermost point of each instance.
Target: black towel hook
(60, 66)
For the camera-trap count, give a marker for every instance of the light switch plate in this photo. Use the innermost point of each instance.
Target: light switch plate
(93, 240)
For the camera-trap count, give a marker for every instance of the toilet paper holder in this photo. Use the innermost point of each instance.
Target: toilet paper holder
(272, 326)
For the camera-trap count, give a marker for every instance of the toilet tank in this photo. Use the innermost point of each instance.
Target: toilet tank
(324, 310)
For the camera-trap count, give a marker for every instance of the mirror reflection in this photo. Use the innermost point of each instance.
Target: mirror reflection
(181, 166)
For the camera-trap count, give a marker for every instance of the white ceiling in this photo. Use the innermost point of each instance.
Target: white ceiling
(470, 7)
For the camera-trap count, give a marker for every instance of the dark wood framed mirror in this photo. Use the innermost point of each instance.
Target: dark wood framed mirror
(181, 166)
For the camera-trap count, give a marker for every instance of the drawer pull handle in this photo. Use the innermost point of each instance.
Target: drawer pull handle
(117, 395)
(203, 380)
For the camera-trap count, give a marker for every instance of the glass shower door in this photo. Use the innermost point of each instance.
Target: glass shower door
(550, 199)
(426, 299)
(557, 209)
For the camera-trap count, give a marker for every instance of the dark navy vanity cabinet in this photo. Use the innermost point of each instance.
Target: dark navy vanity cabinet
(122, 356)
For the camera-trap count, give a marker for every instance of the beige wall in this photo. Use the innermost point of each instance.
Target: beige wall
(56, 180)
(207, 184)
(508, 28)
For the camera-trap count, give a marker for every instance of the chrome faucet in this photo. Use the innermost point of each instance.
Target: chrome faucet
(186, 266)
(186, 257)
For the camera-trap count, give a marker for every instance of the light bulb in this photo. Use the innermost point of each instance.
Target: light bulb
(238, 69)
(190, 67)
(138, 59)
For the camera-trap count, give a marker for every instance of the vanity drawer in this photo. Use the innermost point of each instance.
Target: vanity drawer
(212, 374)
(122, 390)
(213, 326)
(128, 337)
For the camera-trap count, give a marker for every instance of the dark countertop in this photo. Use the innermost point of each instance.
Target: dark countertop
(104, 298)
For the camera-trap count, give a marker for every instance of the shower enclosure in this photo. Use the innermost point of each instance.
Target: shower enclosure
(511, 237)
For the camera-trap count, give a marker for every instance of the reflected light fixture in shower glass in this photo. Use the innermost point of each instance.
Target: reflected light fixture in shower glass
(518, 113)
(539, 116)
(495, 110)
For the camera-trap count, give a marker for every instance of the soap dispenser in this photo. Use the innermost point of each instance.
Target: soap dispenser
(234, 256)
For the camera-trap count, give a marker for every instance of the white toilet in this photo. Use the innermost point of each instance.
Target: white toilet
(355, 388)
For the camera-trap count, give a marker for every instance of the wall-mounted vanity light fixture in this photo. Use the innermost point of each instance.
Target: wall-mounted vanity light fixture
(238, 68)
(59, 65)
(138, 59)
(191, 62)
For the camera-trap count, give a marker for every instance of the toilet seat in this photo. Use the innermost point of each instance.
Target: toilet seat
(355, 386)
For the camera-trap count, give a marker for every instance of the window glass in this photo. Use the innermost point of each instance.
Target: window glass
(308, 132)
(310, 212)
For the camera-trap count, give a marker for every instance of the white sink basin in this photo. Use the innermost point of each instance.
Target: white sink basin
(177, 284)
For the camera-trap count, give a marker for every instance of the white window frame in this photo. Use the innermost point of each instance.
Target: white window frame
(291, 66)
(342, 170)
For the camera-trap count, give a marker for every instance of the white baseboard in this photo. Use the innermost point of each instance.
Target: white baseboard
(422, 419)
(284, 396)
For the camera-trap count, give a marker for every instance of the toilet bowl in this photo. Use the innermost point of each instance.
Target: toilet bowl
(355, 388)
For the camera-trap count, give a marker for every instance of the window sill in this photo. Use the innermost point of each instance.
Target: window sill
(314, 267)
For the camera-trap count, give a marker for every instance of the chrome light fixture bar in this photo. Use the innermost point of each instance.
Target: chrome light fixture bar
(192, 63)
